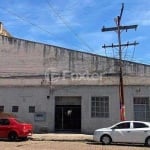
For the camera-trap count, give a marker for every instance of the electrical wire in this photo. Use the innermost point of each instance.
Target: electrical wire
(57, 14)
(50, 33)
(132, 57)
(25, 20)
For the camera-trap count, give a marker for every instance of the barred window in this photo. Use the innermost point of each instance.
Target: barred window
(100, 107)
(15, 108)
(141, 108)
(31, 109)
(1, 108)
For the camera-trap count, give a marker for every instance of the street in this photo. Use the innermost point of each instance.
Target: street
(65, 145)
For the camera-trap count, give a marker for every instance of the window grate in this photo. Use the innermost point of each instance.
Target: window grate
(141, 108)
(100, 107)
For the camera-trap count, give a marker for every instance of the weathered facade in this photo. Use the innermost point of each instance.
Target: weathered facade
(21, 57)
(59, 89)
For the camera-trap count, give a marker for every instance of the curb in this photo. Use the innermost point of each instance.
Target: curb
(62, 138)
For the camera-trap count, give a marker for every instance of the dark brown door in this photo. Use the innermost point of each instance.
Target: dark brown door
(68, 117)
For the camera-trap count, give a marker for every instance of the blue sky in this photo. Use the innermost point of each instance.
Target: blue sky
(77, 24)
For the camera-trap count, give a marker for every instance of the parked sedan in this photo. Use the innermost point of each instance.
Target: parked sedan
(13, 129)
(126, 132)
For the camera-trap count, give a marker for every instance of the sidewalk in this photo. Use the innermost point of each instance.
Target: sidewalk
(61, 137)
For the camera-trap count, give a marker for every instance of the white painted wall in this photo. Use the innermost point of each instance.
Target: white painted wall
(37, 96)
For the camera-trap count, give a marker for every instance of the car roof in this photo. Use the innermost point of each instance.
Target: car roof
(134, 121)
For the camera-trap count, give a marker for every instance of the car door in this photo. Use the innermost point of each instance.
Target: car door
(121, 132)
(139, 132)
(4, 128)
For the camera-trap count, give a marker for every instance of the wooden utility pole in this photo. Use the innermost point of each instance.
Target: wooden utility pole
(118, 30)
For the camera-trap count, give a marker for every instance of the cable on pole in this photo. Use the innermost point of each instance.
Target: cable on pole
(118, 29)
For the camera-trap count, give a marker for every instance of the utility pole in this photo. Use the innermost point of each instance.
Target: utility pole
(118, 30)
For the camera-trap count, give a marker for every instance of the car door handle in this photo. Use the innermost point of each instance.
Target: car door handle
(145, 131)
(128, 131)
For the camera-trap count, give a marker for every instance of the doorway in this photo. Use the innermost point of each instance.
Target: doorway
(68, 117)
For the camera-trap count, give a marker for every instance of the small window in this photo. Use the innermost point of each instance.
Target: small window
(15, 108)
(31, 109)
(122, 126)
(1, 108)
(139, 125)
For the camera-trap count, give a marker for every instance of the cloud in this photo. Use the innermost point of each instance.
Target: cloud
(138, 13)
(75, 24)
(141, 17)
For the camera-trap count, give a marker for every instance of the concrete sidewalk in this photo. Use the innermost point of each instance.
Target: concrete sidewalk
(61, 137)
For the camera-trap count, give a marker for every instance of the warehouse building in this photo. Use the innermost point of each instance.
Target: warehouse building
(58, 89)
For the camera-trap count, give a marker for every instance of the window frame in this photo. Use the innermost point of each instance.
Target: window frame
(15, 109)
(31, 109)
(2, 108)
(100, 106)
(141, 108)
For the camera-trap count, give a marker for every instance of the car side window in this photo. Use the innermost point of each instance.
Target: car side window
(4, 122)
(139, 125)
(122, 126)
(1, 122)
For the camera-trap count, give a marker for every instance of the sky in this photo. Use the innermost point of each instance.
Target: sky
(76, 24)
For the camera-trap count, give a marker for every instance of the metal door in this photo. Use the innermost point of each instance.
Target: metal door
(68, 117)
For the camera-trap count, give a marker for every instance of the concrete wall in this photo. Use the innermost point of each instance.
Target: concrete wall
(37, 96)
(21, 57)
(24, 58)
(25, 97)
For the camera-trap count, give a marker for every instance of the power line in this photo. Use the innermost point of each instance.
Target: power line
(43, 29)
(25, 20)
(57, 14)
(118, 30)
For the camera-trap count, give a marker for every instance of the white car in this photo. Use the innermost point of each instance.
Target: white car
(126, 132)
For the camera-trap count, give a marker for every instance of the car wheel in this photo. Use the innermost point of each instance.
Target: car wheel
(12, 136)
(106, 139)
(147, 143)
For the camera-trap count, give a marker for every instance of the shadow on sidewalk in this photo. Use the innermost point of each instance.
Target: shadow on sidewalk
(117, 144)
